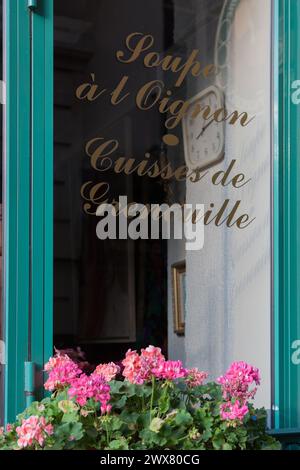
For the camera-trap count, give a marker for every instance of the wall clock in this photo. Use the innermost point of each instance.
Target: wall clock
(203, 139)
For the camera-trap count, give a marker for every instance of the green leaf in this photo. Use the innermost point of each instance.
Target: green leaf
(226, 446)
(218, 441)
(164, 404)
(206, 435)
(115, 423)
(271, 444)
(119, 404)
(129, 418)
(92, 433)
(69, 431)
(151, 438)
(115, 386)
(70, 418)
(183, 418)
(118, 444)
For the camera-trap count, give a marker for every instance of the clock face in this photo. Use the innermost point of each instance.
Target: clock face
(203, 138)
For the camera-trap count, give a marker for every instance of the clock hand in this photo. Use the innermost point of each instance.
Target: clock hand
(204, 129)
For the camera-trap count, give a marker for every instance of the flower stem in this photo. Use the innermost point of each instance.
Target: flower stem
(152, 398)
(107, 433)
(143, 403)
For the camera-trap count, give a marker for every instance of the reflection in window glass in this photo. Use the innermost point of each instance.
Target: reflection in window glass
(208, 306)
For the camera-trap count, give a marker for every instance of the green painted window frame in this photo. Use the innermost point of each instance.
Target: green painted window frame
(28, 196)
(28, 201)
(286, 229)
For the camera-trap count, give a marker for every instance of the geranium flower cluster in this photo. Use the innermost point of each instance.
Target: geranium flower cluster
(150, 363)
(233, 411)
(108, 371)
(170, 370)
(140, 368)
(62, 371)
(94, 386)
(33, 431)
(9, 428)
(196, 377)
(239, 385)
(237, 381)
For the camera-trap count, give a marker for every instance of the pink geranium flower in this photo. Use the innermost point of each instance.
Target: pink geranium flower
(9, 427)
(195, 377)
(33, 431)
(233, 411)
(139, 368)
(132, 367)
(62, 370)
(151, 357)
(94, 386)
(56, 361)
(240, 381)
(108, 371)
(170, 370)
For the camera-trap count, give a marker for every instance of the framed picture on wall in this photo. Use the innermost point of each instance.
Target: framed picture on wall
(179, 296)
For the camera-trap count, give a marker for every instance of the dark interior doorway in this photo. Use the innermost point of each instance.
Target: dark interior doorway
(109, 295)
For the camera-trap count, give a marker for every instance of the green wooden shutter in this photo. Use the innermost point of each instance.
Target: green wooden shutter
(27, 195)
(42, 185)
(286, 215)
(16, 203)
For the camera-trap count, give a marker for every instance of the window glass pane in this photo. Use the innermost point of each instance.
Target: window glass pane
(164, 102)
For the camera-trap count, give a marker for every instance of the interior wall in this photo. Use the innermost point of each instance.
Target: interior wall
(228, 281)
